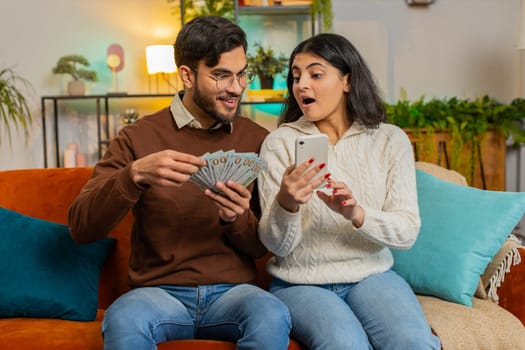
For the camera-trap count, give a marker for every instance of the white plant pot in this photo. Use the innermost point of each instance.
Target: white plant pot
(76, 88)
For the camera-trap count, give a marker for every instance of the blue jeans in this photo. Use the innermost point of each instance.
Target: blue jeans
(379, 312)
(243, 313)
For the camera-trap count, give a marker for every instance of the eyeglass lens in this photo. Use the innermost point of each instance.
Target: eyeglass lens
(225, 81)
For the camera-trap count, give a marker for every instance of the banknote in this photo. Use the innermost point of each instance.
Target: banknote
(221, 166)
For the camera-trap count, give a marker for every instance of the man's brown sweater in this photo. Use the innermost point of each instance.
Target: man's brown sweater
(177, 237)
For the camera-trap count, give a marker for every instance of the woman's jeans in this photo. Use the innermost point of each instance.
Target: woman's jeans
(379, 312)
(245, 314)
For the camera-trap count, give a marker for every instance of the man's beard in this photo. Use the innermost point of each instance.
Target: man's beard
(207, 104)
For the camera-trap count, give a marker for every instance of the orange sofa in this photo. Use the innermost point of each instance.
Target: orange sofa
(47, 194)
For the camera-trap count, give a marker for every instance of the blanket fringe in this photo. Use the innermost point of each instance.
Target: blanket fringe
(511, 259)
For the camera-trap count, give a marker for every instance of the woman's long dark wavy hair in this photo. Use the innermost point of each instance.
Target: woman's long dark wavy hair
(364, 103)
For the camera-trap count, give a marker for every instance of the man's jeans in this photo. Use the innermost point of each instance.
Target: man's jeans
(243, 313)
(379, 312)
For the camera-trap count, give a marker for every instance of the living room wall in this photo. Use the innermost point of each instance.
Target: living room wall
(463, 48)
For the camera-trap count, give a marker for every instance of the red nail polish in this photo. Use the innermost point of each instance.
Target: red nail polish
(327, 176)
(328, 185)
(343, 203)
(322, 165)
(311, 160)
(334, 191)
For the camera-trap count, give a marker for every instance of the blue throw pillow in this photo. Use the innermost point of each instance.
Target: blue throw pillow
(44, 273)
(462, 228)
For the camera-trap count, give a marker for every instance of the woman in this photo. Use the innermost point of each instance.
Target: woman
(332, 264)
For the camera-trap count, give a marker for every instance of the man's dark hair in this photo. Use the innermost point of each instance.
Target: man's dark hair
(207, 37)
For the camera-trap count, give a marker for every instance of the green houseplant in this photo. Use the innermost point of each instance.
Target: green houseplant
(469, 124)
(266, 64)
(324, 9)
(226, 8)
(14, 109)
(192, 9)
(73, 65)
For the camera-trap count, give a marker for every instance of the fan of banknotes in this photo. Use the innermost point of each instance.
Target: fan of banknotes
(222, 166)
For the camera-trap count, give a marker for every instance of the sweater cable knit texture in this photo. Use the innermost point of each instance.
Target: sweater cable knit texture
(317, 245)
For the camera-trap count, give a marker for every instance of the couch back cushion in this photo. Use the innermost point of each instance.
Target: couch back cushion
(47, 194)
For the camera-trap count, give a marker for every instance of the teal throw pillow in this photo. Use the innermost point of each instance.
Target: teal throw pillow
(462, 228)
(44, 273)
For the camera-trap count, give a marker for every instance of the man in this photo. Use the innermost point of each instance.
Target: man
(192, 250)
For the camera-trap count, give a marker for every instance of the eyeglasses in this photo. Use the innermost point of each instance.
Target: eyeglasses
(224, 81)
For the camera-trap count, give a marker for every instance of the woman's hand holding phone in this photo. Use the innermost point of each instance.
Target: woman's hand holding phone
(309, 172)
(310, 147)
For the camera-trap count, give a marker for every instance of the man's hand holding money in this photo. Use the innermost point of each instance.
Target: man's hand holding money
(225, 178)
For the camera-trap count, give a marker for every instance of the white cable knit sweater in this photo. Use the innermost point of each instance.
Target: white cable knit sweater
(316, 245)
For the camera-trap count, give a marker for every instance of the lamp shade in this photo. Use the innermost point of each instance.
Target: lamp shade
(160, 59)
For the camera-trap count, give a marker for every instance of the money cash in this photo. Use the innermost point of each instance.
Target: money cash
(221, 166)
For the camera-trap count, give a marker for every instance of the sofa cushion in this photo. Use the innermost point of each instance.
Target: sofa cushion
(462, 228)
(44, 272)
(51, 334)
(484, 326)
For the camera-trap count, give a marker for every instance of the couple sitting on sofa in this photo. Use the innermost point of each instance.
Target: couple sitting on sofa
(193, 249)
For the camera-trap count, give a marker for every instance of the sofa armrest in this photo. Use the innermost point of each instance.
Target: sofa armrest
(511, 293)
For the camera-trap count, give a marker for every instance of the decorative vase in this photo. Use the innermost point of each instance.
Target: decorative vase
(76, 88)
(266, 81)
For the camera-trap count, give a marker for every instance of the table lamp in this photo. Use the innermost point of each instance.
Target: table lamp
(160, 60)
(115, 62)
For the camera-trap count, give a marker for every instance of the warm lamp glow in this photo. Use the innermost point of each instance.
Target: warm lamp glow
(160, 59)
(113, 61)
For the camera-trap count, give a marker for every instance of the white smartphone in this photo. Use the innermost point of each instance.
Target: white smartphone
(312, 146)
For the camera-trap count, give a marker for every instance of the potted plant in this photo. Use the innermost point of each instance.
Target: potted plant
(129, 116)
(192, 9)
(72, 65)
(324, 9)
(467, 135)
(14, 109)
(266, 65)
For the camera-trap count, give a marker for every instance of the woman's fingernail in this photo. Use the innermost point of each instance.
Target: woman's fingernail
(334, 191)
(311, 160)
(328, 185)
(327, 176)
(343, 203)
(322, 165)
